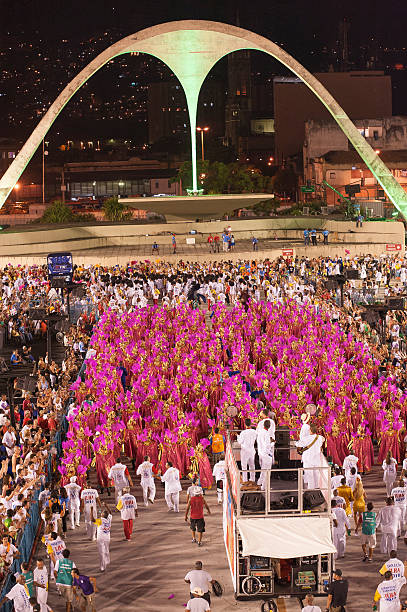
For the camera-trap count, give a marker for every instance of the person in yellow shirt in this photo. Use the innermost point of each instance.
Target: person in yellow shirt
(346, 492)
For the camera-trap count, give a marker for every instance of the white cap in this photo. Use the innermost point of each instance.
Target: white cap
(73, 479)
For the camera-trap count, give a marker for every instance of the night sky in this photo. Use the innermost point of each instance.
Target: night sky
(300, 24)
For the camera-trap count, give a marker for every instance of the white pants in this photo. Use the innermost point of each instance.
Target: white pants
(172, 500)
(311, 477)
(339, 538)
(266, 463)
(389, 487)
(89, 524)
(247, 459)
(388, 542)
(42, 596)
(220, 494)
(74, 515)
(148, 487)
(104, 553)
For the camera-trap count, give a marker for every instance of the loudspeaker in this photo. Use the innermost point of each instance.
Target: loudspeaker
(253, 502)
(283, 436)
(352, 274)
(395, 303)
(312, 498)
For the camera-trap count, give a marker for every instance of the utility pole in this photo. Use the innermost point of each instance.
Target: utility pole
(43, 171)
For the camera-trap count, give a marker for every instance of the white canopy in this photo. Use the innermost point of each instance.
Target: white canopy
(286, 538)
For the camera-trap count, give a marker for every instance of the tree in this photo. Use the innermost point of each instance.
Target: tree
(285, 181)
(57, 212)
(115, 210)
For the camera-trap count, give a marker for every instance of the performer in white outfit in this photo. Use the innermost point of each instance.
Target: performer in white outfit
(389, 466)
(305, 427)
(265, 447)
(104, 525)
(348, 463)
(219, 475)
(389, 520)
(89, 499)
(340, 524)
(246, 439)
(121, 478)
(172, 487)
(311, 457)
(73, 490)
(40, 576)
(145, 470)
(399, 494)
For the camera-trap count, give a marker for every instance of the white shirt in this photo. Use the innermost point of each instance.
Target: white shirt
(127, 506)
(399, 494)
(336, 481)
(389, 519)
(349, 462)
(145, 470)
(197, 604)
(10, 554)
(89, 497)
(395, 566)
(219, 471)
(41, 576)
(20, 598)
(9, 439)
(246, 439)
(342, 520)
(264, 444)
(103, 528)
(73, 490)
(117, 474)
(199, 578)
(311, 609)
(389, 594)
(171, 479)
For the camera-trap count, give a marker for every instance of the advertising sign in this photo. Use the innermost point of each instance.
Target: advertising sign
(393, 247)
(229, 527)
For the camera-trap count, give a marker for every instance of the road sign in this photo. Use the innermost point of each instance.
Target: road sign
(307, 188)
(393, 247)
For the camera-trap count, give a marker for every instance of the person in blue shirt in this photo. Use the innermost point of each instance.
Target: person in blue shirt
(314, 237)
(306, 237)
(325, 234)
(255, 243)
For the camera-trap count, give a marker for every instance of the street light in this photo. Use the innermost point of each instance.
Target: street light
(202, 130)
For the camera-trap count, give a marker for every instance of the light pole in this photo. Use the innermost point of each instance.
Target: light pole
(44, 153)
(202, 130)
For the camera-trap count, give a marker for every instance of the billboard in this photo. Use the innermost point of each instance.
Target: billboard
(229, 529)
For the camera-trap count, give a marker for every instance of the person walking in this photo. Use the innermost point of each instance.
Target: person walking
(89, 501)
(219, 476)
(255, 243)
(314, 237)
(393, 565)
(325, 234)
(309, 604)
(389, 520)
(196, 504)
(216, 243)
(55, 548)
(246, 439)
(172, 486)
(399, 494)
(217, 444)
(341, 523)
(389, 472)
(201, 579)
(74, 507)
(63, 576)
(306, 237)
(86, 586)
(197, 603)
(145, 470)
(359, 503)
(40, 576)
(210, 243)
(104, 525)
(368, 538)
(127, 505)
(121, 478)
(174, 244)
(388, 593)
(337, 592)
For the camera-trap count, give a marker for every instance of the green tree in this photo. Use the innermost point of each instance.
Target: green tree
(57, 212)
(115, 210)
(285, 181)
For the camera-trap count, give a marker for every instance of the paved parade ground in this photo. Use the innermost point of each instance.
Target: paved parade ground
(147, 571)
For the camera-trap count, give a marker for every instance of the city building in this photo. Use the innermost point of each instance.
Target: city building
(238, 107)
(8, 150)
(363, 95)
(328, 156)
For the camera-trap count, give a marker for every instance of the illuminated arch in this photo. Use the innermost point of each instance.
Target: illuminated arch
(191, 49)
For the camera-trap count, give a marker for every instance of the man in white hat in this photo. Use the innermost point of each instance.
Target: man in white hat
(74, 504)
(198, 603)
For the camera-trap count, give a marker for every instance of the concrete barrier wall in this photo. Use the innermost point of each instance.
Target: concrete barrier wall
(84, 237)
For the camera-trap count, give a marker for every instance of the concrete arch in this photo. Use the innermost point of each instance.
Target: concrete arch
(191, 49)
